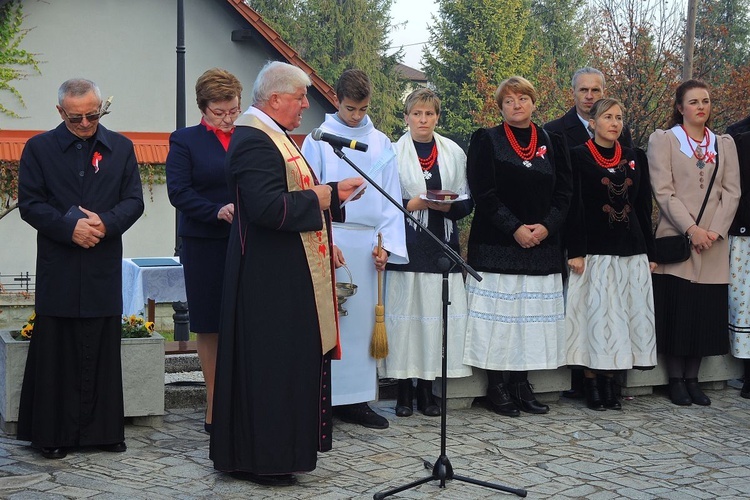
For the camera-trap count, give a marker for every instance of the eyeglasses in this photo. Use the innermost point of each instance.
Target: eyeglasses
(220, 113)
(92, 117)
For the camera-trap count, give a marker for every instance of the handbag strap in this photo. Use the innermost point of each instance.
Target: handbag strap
(708, 192)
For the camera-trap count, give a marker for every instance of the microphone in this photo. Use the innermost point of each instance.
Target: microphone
(336, 141)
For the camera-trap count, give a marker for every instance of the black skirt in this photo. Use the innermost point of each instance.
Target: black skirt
(203, 263)
(691, 318)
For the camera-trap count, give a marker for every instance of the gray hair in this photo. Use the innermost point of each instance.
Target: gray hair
(588, 70)
(278, 77)
(77, 87)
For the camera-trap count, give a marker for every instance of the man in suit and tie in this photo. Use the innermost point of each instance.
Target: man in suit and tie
(587, 87)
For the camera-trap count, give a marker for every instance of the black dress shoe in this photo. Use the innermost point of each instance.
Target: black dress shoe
(207, 427)
(265, 479)
(500, 401)
(608, 393)
(360, 414)
(405, 398)
(695, 392)
(594, 399)
(114, 448)
(523, 396)
(678, 392)
(745, 391)
(54, 453)
(425, 401)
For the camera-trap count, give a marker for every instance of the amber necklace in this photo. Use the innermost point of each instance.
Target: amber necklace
(699, 151)
(527, 153)
(429, 162)
(601, 160)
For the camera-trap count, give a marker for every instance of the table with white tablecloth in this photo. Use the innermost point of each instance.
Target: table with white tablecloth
(151, 280)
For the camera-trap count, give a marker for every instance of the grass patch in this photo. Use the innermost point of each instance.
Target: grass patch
(169, 335)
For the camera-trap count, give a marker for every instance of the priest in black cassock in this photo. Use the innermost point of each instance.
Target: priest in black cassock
(79, 187)
(279, 326)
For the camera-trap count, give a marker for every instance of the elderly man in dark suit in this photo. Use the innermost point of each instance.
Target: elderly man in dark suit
(79, 187)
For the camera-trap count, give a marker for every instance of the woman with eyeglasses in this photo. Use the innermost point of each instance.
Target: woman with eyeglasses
(198, 189)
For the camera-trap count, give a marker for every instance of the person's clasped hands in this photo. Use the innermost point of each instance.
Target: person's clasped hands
(89, 230)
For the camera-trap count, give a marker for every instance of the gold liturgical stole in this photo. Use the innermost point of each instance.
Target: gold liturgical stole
(299, 177)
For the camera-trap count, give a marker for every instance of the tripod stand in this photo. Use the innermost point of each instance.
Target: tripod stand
(442, 470)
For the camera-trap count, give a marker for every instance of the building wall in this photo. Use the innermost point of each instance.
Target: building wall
(153, 235)
(129, 49)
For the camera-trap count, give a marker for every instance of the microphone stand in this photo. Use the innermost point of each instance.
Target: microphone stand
(442, 470)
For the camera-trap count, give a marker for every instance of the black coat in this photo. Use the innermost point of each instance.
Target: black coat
(741, 223)
(508, 194)
(612, 215)
(739, 127)
(55, 174)
(272, 405)
(575, 133)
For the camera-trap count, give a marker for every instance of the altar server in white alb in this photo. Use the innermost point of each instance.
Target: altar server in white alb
(354, 377)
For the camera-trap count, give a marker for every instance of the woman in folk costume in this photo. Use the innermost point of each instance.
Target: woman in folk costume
(354, 376)
(520, 179)
(739, 267)
(609, 317)
(691, 297)
(413, 300)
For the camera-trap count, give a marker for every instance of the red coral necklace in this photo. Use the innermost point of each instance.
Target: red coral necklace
(601, 160)
(429, 162)
(527, 153)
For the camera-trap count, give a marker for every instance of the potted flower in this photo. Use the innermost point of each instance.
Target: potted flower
(142, 357)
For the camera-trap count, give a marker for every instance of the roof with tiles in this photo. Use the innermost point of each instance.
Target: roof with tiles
(152, 147)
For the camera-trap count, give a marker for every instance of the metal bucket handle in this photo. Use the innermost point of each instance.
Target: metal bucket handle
(351, 282)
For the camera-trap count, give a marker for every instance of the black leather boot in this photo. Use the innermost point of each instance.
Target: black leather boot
(678, 392)
(500, 401)
(425, 401)
(523, 396)
(695, 392)
(593, 398)
(405, 398)
(608, 393)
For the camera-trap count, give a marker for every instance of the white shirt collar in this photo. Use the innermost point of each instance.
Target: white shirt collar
(585, 123)
(687, 146)
(262, 116)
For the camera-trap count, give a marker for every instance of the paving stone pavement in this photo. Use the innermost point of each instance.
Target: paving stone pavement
(651, 449)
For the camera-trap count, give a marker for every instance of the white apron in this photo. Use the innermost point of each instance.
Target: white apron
(354, 376)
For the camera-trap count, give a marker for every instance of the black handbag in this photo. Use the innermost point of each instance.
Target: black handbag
(674, 249)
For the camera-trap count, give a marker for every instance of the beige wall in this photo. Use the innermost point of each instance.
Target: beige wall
(128, 48)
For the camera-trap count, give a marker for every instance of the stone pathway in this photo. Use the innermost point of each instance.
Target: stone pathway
(651, 449)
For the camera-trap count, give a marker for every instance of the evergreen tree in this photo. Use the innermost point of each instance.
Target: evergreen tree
(557, 33)
(335, 35)
(473, 46)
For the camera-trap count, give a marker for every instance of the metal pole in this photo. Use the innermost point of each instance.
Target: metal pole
(687, 65)
(180, 316)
